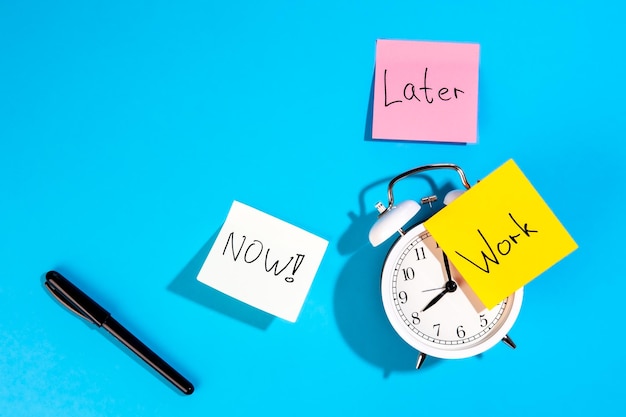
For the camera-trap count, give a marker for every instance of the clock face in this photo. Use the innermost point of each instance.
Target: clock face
(438, 314)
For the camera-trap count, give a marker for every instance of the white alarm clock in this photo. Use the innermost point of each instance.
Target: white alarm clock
(426, 300)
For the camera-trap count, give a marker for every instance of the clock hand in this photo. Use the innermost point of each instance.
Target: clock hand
(434, 289)
(434, 300)
(450, 287)
(447, 265)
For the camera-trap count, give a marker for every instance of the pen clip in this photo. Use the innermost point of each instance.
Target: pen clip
(67, 303)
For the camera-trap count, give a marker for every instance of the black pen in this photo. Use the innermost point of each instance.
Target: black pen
(80, 303)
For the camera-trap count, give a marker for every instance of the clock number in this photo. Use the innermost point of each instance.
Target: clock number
(437, 326)
(420, 253)
(409, 273)
(483, 321)
(403, 297)
(416, 319)
(460, 332)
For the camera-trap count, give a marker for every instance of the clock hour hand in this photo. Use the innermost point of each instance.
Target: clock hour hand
(450, 287)
(434, 300)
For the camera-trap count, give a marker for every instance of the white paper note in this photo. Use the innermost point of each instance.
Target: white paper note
(263, 261)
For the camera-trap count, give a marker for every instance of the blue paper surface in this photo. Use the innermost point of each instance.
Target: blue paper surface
(126, 131)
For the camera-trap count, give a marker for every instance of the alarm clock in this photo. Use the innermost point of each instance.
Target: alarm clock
(427, 301)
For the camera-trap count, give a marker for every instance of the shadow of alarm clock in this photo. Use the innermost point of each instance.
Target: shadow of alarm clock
(426, 300)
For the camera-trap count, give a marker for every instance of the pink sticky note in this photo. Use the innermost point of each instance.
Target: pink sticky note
(426, 91)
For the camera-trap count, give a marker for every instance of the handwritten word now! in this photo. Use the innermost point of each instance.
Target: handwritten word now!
(255, 249)
(260, 260)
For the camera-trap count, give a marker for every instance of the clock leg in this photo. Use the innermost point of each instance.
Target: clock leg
(420, 360)
(510, 343)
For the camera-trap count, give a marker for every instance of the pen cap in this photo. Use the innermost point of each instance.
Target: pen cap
(77, 300)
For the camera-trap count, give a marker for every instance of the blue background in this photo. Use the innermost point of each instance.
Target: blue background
(128, 128)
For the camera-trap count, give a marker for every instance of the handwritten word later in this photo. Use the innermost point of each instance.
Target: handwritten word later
(411, 92)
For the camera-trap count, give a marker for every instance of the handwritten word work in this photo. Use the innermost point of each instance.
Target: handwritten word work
(500, 234)
(503, 246)
(263, 261)
(426, 91)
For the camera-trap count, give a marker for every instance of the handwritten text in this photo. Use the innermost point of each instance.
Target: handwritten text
(255, 251)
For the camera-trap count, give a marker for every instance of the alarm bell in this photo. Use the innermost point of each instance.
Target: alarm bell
(451, 196)
(392, 217)
(391, 220)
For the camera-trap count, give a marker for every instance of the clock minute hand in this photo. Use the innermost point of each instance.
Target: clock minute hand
(447, 265)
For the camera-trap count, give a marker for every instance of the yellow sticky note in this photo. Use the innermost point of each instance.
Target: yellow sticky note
(500, 234)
